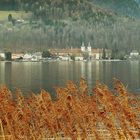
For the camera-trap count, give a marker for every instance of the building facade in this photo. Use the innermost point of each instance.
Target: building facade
(82, 53)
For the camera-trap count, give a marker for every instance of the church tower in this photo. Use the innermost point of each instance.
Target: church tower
(83, 48)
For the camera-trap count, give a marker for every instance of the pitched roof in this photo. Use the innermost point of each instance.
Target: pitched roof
(134, 51)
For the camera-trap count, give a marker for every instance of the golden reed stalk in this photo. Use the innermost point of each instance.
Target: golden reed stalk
(2, 136)
(75, 114)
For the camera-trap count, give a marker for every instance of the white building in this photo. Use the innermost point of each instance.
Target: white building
(37, 56)
(17, 55)
(134, 53)
(2, 55)
(65, 58)
(32, 57)
(89, 47)
(27, 56)
(83, 48)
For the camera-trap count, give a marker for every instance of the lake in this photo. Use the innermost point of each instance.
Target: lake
(33, 76)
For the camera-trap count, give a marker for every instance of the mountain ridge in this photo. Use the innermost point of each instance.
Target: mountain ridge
(75, 8)
(129, 8)
(65, 24)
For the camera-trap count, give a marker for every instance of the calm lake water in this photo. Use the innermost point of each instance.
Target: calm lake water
(33, 76)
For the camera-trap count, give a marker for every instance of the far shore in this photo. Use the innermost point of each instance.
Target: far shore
(52, 60)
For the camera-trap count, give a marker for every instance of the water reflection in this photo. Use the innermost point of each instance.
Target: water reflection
(83, 69)
(98, 69)
(2, 73)
(134, 75)
(89, 73)
(5, 74)
(32, 76)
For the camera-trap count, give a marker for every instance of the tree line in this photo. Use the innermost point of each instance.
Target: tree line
(121, 38)
(63, 26)
(48, 10)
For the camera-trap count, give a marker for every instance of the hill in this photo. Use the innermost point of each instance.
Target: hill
(74, 10)
(125, 7)
(65, 24)
(48, 10)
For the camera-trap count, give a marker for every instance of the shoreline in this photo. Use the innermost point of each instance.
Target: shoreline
(105, 60)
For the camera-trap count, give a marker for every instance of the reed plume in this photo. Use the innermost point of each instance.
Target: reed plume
(103, 114)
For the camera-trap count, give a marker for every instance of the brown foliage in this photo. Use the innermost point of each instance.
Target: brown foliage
(74, 114)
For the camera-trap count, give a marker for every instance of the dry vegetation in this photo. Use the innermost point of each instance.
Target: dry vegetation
(73, 114)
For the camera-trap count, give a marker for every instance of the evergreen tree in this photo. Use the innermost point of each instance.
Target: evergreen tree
(104, 53)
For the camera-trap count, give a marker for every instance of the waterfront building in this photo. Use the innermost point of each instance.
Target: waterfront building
(134, 53)
(17, 56)
(2, 55)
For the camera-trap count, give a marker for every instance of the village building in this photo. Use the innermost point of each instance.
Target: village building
(65, 58)
(96, 54)
(27, 56)
(65, 52)
(83, 48)
(2, 55)
(87, 49)
(36, 56)
(82, 53)
(17, 56)
(134, 53)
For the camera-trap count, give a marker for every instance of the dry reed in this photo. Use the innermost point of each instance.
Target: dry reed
(104, 115)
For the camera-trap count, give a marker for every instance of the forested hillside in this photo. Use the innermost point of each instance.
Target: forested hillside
(125, 7)
(60, 9)
(68, 23)
(8, 4)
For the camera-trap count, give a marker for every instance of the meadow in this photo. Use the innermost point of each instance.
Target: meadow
(15, 14)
